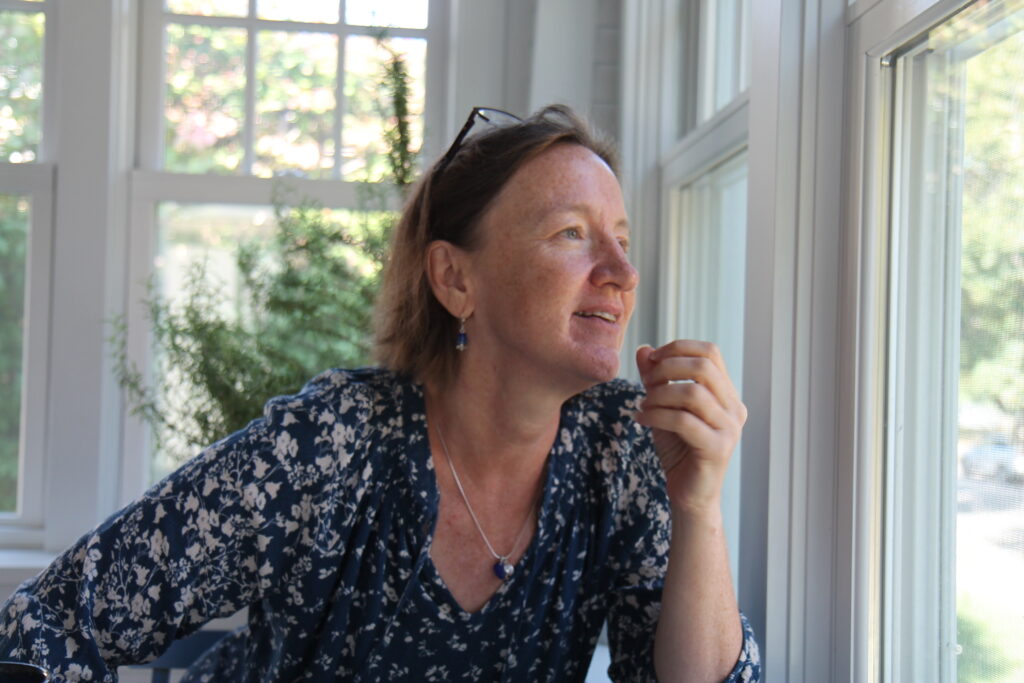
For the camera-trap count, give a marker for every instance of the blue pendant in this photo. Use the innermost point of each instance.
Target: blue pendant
(460, 341)
(503, 570)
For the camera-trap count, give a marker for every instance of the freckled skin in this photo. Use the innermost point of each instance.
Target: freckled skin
(553, 244)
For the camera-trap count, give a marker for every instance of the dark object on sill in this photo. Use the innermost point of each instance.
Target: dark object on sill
(16, 672)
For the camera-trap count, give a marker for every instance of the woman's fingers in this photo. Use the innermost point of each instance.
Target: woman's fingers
(691, 397)
(697, 433)
(701, 370)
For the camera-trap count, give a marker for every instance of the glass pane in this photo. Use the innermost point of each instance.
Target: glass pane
(723, 55)
(990, 516)
(367, 108)
(304, 306)
(398, 13)
(209, 8)
(204, 235)
(205, 99)
(956, 372)
(296, 81)
(21, 85)
(14, 224)
(709, 269)
(318, 11)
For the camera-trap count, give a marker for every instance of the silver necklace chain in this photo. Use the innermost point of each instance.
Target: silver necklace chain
(503, 568)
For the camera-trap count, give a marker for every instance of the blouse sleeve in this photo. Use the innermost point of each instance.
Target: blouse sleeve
(208, 540)
(644, 533)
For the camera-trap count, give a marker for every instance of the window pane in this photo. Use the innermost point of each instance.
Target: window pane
(308, 310)
(14, 223)
(21, 85)
(399, 13)
(320, 11)
(205, 105)
(708, 262)
(210, 8)
(724, 52)
(296, 81)
(206, 235)
(990, 517)
(957, 351)
(367, 108)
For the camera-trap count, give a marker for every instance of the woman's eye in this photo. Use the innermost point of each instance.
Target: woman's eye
(572, 233)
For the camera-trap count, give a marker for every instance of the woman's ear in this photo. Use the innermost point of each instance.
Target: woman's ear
(448, 273)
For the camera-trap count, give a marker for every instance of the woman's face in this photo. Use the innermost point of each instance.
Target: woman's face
(554, 288)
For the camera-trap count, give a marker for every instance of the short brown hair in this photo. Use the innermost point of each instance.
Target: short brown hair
(415, 334)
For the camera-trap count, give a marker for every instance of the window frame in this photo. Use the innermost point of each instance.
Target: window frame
(880, 31)
(24, 527)
(665, 39)
(149, 185)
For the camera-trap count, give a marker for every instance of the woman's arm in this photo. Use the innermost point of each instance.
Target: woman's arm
(205, 542)
(696, 418)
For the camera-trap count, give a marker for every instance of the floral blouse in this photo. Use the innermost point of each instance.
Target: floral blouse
(319, 516)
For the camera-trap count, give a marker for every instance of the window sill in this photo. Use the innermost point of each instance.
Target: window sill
(17, 565)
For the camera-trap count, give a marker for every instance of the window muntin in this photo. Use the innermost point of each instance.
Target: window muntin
(397, 13)
(269, 94)
(956, 409)
(209, 8)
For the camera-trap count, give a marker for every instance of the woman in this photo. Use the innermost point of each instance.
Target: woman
(474, 511)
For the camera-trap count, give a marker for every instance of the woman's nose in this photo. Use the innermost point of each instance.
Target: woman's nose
(613, 267)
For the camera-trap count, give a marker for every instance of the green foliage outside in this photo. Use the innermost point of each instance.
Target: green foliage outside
(989, 651)
(14, 216)
(21, 84)
(294, 86)
(992, 304)
(305, 306)
(992, 321)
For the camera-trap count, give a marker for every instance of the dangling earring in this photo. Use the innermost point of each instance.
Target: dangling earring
(461, 339)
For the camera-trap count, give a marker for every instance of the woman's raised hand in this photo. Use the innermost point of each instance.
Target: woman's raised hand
(696, 416)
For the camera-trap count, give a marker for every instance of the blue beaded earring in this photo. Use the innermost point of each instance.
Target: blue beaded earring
(461, 339)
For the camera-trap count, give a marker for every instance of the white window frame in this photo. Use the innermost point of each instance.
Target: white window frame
(150, 186)
(673, 142)
(23, 527)
(797, 581)
(898, 637)
(35, 180)
(90, 112)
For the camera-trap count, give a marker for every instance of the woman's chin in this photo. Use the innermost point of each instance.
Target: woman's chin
(598, 367)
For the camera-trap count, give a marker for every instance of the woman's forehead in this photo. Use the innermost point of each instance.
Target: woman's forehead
(566, 177)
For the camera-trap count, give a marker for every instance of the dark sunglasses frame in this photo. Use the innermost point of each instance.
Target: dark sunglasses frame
(485, 113)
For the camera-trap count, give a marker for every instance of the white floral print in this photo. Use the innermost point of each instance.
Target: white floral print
(318, 517)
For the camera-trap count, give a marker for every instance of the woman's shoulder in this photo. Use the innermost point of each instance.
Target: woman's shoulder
(611, 405)
(340, 393)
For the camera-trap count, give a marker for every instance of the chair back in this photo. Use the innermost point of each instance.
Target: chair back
(181, 654)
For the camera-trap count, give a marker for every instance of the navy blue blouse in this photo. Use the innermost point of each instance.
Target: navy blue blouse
(319, 516)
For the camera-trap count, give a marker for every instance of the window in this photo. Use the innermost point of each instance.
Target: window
(278, 89)
(705, 273)
(26, 184)
(698, 200)
(954, 505)
(711, 44)
(246, 98)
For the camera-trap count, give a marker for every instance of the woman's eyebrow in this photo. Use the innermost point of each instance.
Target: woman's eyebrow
(544, 212)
